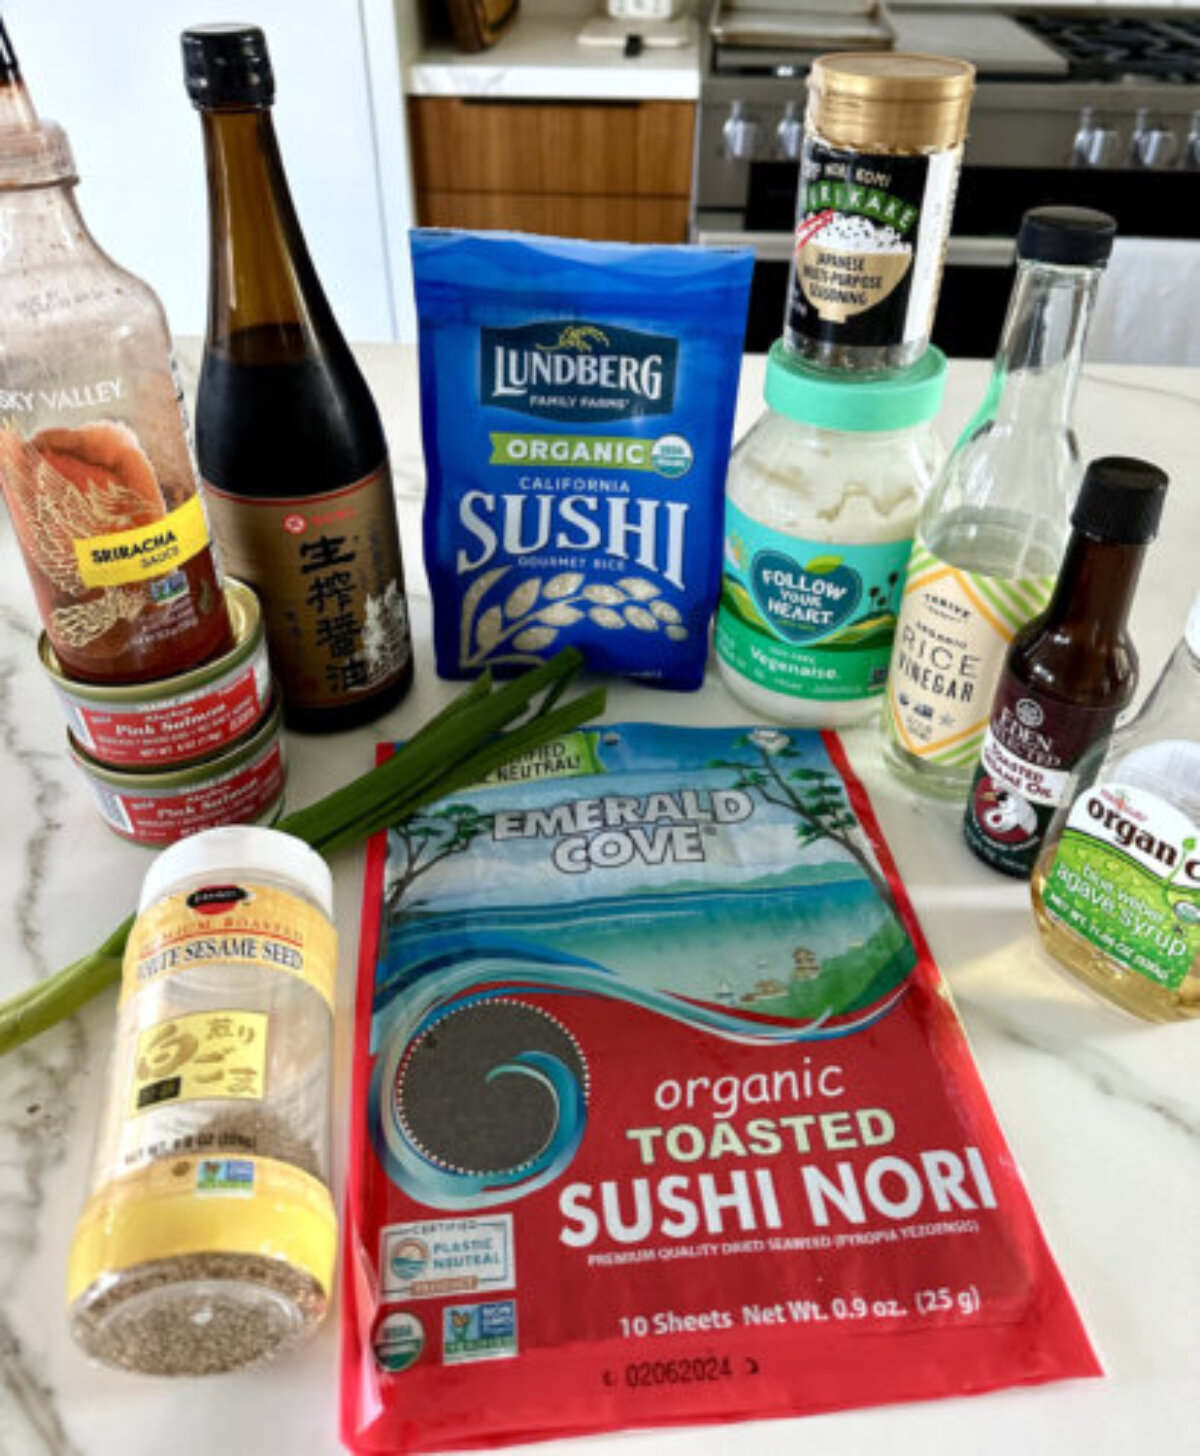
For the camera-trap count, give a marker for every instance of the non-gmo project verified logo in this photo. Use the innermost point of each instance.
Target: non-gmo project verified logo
(573, 370)
(225, 1175)
(479, 1331)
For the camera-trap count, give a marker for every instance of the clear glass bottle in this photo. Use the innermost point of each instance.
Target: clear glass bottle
(290, 444)
(95, 462)
(209, 1238)
(1116, 890)
(993, 529)
(822, 499)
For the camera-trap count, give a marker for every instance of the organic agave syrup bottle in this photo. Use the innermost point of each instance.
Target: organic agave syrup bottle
(290, 445)
(1116, 890)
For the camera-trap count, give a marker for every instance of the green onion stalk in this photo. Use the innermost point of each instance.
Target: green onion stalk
(478, 731)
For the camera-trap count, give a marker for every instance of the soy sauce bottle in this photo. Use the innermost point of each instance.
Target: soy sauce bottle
(1069, 672)
(289, 441)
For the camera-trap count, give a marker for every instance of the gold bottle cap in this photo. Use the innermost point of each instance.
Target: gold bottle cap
(890, 101)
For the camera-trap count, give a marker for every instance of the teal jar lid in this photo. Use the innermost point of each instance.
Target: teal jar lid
(837, 400)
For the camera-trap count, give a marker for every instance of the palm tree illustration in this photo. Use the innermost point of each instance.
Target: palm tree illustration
(419, 844)
(814, 795)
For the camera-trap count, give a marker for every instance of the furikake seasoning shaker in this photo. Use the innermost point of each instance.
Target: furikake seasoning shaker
(883, 141)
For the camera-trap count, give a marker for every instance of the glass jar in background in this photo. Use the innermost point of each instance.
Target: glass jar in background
(208, 1242)
(822, 500)
(883, 143)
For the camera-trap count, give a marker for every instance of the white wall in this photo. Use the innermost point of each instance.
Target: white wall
(111, 73)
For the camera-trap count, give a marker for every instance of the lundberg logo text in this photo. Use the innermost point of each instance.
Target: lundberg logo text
(575, 370)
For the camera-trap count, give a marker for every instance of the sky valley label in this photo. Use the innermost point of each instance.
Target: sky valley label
(574, 371)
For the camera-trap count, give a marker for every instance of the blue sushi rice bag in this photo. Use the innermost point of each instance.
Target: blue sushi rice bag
(577, 403)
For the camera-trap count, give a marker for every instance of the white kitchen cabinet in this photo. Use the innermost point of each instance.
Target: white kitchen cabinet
(112, 75)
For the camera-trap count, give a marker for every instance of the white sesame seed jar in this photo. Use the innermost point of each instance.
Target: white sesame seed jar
(209, 1238)
(822, 500)
(879, 169)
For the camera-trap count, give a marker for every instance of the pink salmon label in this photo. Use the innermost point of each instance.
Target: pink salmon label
(240, 796)
(174, 731)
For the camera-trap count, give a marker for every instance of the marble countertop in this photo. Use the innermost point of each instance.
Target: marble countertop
(1102, 1113)
(540, 58)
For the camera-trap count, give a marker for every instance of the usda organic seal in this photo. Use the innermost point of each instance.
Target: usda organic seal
(399, 1340)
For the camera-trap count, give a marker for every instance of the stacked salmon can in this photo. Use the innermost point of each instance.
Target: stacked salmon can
(170, 757)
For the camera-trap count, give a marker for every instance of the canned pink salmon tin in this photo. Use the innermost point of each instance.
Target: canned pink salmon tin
(243, 785)
(176, 720)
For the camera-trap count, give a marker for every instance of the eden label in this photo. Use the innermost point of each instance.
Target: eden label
(1031, 747)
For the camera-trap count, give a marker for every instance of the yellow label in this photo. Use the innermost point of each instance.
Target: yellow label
(233, 924)
(208, 1054)
(180, 1206)
(123, 558)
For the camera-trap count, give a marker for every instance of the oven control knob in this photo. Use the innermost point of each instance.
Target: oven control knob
(1151, 146)
(740, 134)
(1095, 145)
(789, 134)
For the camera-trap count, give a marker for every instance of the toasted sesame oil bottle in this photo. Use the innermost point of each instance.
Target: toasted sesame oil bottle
(1069, 672)
(1116, 890)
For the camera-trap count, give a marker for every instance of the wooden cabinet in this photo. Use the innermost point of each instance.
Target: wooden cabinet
(611, 170)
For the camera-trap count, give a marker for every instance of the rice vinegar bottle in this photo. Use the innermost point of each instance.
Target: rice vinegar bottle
(1116, 891)
(992, 530)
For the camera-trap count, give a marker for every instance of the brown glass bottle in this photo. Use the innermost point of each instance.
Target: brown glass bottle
(289, 441)
(1069, 672)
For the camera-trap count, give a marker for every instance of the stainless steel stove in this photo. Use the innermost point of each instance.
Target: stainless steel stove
(1091, 109)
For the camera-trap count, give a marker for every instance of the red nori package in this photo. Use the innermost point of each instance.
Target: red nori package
(662, 1113)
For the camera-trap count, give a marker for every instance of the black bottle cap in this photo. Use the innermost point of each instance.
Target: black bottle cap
(1073, 236)
(1120, 501)
(227, 65)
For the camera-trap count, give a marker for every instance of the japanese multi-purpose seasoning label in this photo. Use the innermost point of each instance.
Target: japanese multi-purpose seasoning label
(882, 147)
(662, 1113)
(576, 402)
